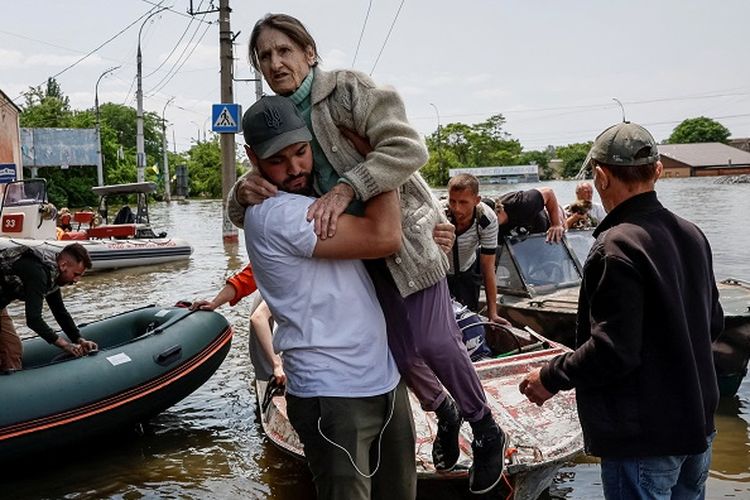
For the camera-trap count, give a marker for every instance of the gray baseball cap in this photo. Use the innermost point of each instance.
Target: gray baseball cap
(273, 123)
(624, 145)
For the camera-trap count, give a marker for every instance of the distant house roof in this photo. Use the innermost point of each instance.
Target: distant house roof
(705, 154)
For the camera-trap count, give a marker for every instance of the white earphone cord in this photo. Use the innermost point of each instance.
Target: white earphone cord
(380, 438)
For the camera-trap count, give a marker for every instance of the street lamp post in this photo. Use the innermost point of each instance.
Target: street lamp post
(139, 142)
(99, 161)
(622, 108)
(165, 165)
(439, 140)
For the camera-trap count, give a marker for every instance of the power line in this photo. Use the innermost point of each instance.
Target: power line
(177, 44)
(387, 36)
(183, 14)
(361, 33)
(168, 75)
(183, 62)
(92, 51)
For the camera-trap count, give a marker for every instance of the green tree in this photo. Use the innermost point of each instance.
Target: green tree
(204, 166)
(540, 158)
(699, 129)
(572, 157)
(45, 106)
(484, 144)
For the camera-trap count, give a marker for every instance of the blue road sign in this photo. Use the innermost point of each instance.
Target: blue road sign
(225, 118)
(7, 172)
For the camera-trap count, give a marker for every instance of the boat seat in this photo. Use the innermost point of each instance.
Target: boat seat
(112, 231)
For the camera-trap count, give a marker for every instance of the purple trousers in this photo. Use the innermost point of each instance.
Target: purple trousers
(427, 344)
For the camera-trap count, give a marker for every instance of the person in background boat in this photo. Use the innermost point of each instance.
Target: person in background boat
(647, 313)
(473, 254)
(584, 213)
(342, 108)
(237, 287)
(34, 275)
(343, 392)
(531, 211)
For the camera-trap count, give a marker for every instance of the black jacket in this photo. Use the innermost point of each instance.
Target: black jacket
(29, 277)
(647, 314)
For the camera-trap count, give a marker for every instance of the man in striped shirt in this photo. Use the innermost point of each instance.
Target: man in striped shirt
(472, 260)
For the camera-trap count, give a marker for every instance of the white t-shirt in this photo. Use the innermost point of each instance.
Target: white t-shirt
(331, 330)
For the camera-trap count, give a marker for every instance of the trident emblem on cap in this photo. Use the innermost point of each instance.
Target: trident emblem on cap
(273, 118)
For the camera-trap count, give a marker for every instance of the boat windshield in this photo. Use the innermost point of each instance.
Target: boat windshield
(31, 192)
(543, 264)
(580, 242)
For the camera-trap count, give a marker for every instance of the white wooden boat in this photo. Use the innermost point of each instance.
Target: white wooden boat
(541, 439)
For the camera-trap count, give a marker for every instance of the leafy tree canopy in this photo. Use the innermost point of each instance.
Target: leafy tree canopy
(699, 129)
(572, 157)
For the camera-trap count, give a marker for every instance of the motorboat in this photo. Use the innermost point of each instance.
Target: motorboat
(541, 439)
(148, 359)
(28, 219)
(538, 285)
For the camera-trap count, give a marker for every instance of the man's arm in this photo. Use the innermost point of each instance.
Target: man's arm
(260, 321)
(34, 281)
(238, 286)
(377, 234)
(557, 228)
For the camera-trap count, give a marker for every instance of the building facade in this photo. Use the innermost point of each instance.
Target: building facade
(511, 174)
(11, 166)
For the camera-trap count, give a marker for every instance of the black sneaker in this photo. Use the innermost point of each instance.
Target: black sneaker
(489, 456)
(445, 450)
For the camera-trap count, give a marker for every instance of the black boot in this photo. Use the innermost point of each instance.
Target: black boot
(445, 451)
(489, 455)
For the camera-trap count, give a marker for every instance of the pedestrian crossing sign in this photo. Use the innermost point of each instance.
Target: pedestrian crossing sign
(225, 118)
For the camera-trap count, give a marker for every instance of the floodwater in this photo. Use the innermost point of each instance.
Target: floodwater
(210, 444)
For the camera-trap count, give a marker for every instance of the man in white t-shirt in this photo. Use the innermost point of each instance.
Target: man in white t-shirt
(344, 398)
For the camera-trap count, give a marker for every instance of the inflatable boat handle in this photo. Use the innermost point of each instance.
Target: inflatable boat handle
(169, 355)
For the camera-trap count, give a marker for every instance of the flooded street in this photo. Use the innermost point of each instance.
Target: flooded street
(210, 445)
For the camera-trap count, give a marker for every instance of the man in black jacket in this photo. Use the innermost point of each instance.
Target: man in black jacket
(648, 311)
(34, 275)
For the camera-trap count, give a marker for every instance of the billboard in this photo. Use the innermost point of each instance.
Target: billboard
(59, 147)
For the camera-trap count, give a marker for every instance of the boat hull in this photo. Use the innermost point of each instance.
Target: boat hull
(149, 359)
(542, 438)
(114, 254)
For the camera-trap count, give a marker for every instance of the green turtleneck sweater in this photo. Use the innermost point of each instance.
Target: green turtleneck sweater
(324, 175)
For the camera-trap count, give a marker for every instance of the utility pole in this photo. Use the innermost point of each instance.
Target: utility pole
(228, 169)
(165, 165)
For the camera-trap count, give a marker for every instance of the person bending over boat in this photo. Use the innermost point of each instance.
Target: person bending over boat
(531, 211)
(648, 311)
(343, 394)
(33, 275)
(411, 283)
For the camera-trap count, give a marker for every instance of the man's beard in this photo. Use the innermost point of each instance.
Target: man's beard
(304, 188)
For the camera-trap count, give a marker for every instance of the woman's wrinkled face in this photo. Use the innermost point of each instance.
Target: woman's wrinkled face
(284, 64)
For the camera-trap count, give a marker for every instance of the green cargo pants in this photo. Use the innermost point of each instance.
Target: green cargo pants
(355, 424)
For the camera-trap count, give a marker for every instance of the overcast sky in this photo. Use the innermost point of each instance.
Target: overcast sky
(551, 67)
